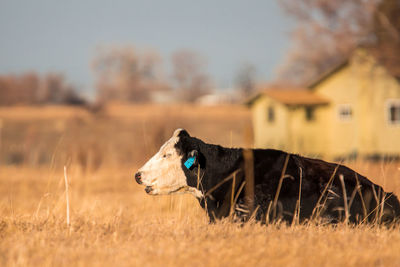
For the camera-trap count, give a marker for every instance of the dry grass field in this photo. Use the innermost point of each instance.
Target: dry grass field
(113, 221)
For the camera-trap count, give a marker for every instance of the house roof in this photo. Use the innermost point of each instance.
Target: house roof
(391, 61)
(292, 96)
(391, 64)
(328, 73)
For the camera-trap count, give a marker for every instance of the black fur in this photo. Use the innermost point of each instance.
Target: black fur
(217, 163)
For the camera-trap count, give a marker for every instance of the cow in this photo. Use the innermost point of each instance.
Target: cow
(264, 184)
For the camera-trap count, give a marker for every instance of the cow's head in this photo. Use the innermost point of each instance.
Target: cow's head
(164, 173)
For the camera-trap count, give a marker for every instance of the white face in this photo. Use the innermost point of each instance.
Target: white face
(163, 173)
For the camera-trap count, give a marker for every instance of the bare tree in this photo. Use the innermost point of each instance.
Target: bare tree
(19, 89)
(30, 88)
(52, 88)
(246, 79)
(189, 75)
(55, 89)
(326, 32)
(122, 73)
(386, 34)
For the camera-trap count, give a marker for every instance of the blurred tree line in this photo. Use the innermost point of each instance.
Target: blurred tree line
(124, 73)
(327, 31)
(325, 34)
(32, 88)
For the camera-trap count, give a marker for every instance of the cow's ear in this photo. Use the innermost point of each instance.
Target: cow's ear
(180, 133)
(192, 159)
(193, 153)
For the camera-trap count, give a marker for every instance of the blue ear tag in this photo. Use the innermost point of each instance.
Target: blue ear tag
(189, 163)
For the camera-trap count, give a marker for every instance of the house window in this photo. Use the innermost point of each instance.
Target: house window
(345, 112)
(271, 114)
(394, 111)
(310, 114)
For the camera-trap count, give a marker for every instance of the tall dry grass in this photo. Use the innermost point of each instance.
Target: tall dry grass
(119, 135)
(112, 220)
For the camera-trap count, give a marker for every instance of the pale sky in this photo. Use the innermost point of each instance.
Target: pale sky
(61, 36)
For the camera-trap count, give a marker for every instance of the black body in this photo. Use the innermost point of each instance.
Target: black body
(321, 186)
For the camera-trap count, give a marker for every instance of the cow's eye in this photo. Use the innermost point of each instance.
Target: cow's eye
(166, 155)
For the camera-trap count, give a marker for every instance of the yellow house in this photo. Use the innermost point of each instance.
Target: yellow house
(351, 111)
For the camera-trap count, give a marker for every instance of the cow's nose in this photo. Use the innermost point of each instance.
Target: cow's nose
(138, 178)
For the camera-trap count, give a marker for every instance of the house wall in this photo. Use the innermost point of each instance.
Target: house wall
(363, 85)
(290, 131)
(367, 87)
(376, 89)
(341, 135)
(307, 137)
(270, 134)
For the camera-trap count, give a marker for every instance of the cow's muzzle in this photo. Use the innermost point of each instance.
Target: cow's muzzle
(148, 189)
